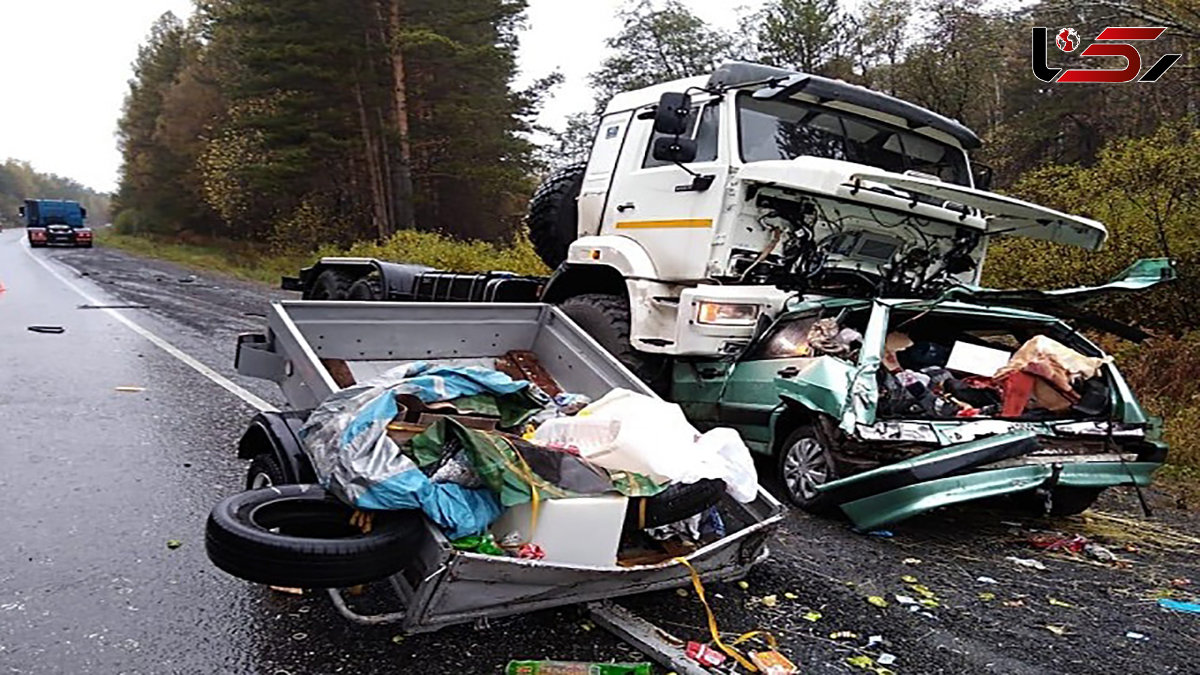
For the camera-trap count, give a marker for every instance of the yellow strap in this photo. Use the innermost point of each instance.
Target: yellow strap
(524, 471)
(712, 621)
(642, 513)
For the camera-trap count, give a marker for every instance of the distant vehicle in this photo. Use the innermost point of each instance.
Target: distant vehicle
(54, 221)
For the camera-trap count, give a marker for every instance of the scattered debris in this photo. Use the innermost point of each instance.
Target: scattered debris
(861, 661)
(1099, 552)
(772, 662)
(1056, 542)
(1133, 635)
(908, 579)
(812, 616)
(1179, 606)
(289, 590)
(1059, 603)
(923, 591)
(398, 638)
(1180, 583)
(843, 635)
(681, 592)
(986, 580)
(882, 534)
(743, 585)
(1014, 603)
(886, 659)
(550, 667)
(790, 595)
(189, 279)
(1027, 562)
(704, 655)
(129, 389)
(770, 600)
(1057, 630)
(299, 636)
(930, 602)
(48, 330)
(987, 597)
(912, 561)
(906, 600)
(174, 544)
(877, 601)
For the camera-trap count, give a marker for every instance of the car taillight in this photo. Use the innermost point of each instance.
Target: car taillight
(84, 234)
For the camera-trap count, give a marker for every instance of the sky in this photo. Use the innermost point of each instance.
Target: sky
(65, 65)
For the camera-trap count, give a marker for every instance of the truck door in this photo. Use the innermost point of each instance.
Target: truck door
(650, 201)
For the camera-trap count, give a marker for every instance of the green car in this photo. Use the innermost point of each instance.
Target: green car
(887, 408)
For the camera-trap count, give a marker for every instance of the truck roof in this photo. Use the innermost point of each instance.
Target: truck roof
(782, 83)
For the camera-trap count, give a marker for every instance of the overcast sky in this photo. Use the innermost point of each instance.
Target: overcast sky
(64, 65)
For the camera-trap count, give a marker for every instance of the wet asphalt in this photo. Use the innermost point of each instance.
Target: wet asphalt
(98, 481)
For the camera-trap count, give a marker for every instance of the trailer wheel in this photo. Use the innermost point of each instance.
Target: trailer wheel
(367, 288)
(606, 319)
(300, 536)
(331, 285)
(677, 502)
(805, 463)
(265, 471)
(554, 214)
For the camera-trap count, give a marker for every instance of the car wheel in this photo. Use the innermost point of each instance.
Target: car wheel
(367, 288)
(300, 536)
(805, 463)
(1064, 501)
(265, 471)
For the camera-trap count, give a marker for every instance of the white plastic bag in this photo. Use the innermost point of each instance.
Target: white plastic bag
(656, 440)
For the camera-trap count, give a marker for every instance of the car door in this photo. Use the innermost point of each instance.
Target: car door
(652, 202)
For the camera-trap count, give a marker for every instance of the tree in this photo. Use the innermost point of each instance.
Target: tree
(804, 35)
(656, 45)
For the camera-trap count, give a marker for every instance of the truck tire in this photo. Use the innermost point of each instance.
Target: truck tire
(366, 288)
(606, 318)
(300, 536)
(331, 285)
(677, 502)
(554, 214)
(804, 463)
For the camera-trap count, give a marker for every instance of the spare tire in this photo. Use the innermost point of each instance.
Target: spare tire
(554, 214)
(300, 536)
(677, 502)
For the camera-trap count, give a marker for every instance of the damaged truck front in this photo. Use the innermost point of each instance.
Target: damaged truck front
(888, 408)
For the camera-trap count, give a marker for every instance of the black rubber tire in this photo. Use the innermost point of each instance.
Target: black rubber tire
(792, 451)
(331, 285)
(1064, 501)
(366, 288)
(553, 219)
(313, 544)
(606, 319)
(265, 467)
(677, 502)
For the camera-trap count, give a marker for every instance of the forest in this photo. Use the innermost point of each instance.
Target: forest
(394, 128)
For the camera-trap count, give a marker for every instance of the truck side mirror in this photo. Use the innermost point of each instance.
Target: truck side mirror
(82, 212)
(670, 117)
(982, 177)
(21, 211)
(675, 150)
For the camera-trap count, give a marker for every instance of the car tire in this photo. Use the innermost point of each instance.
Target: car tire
(265, 471)
(366, 289)
(300, 536)
(332, 285)
(677, 502)
(804, 463)
(606, 318)
(553, 219)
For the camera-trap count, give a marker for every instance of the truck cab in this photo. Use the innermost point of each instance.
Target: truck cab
(54, 221)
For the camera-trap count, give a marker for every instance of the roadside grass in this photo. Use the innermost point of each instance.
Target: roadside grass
(241, 260)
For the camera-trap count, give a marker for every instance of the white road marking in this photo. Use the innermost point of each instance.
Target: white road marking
(217, 378)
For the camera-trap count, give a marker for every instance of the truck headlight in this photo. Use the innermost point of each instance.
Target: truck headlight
(727, 314)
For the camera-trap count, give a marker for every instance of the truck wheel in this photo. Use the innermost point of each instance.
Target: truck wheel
(367, 288)
(805, 463)
(554, 214)
(606, 319)
(265, 471)
(677, 502)
(332, 285)
(300, 536)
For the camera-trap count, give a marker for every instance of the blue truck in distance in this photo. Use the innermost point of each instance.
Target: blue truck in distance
(55, 221)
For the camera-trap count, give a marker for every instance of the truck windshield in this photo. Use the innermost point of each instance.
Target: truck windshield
(790, 129)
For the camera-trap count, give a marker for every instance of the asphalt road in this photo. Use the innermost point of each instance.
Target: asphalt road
(99, 480)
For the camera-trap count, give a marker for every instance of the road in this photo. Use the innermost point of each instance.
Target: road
(100, 479)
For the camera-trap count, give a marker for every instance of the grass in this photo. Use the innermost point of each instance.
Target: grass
(237, 259)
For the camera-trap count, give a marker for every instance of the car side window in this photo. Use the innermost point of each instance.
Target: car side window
(704, 131)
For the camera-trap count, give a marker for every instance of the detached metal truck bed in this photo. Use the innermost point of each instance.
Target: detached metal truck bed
(439, 585)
